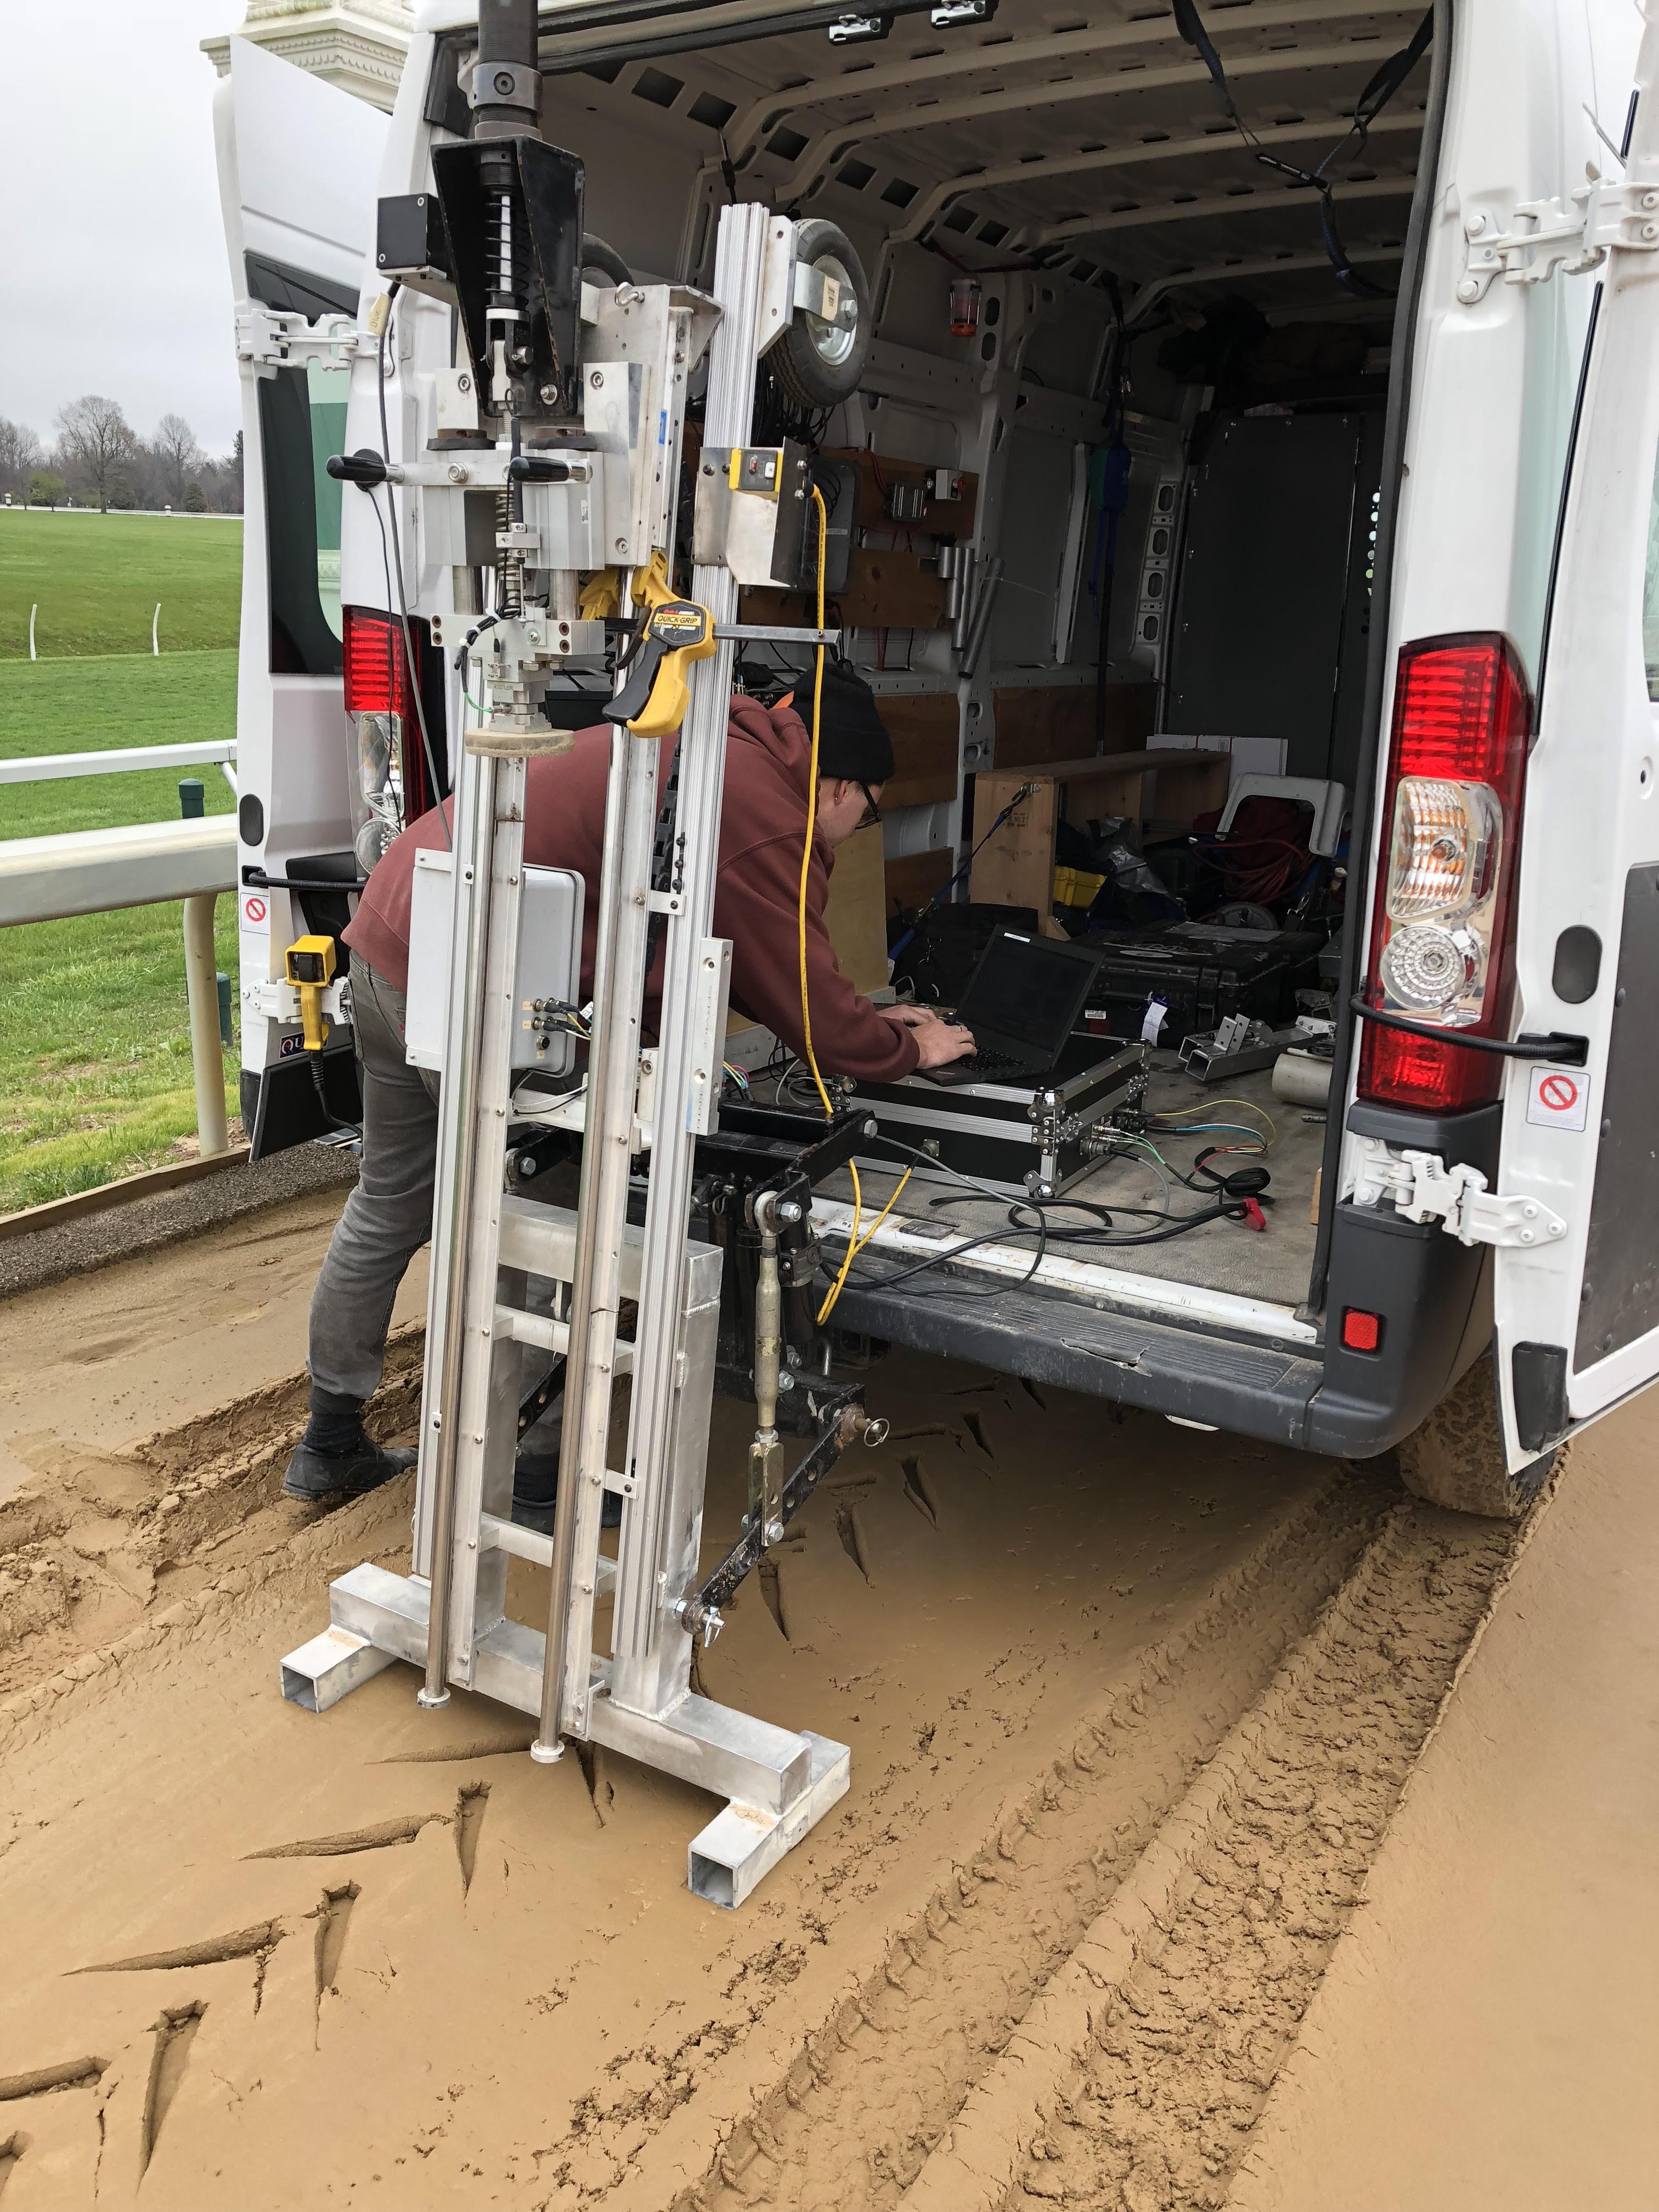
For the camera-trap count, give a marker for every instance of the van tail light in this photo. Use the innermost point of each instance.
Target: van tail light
(390, 784)
(1443, 929)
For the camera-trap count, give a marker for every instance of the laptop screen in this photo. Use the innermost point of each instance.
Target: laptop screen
(1027, 990)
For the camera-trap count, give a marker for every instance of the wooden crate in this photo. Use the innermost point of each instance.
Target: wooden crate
(1056, 722)
(1017, 866)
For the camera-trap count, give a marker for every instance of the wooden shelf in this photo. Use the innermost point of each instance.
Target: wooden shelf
(1017, 866)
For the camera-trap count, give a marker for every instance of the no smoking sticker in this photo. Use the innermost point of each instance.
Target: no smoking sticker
(1558, 1098)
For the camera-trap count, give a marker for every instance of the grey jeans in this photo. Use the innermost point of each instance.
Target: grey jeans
(388, 1216)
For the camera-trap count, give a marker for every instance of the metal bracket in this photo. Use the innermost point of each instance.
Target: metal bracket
(279, 1001)
(1550, 234)
(1422, 1187)
(272, 338)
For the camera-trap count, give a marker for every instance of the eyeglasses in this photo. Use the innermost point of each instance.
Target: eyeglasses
(871, 813)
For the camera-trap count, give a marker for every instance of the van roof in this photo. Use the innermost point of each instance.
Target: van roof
(1089, 148)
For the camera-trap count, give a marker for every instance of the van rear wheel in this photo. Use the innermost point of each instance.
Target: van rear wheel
(1456, 1459)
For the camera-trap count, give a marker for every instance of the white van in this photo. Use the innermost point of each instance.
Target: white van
(1282, 371)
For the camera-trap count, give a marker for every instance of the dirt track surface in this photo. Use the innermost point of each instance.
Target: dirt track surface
(1130, 1708)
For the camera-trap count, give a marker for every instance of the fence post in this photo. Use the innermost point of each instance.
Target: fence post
(206, 1052)
(155, 631)
(32, 612)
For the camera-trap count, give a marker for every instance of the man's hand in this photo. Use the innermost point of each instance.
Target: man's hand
(939, 1043)
(908, 1016)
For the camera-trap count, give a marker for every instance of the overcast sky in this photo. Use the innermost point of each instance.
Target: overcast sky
(112, 269)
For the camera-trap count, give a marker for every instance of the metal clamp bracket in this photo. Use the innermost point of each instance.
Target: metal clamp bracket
(271, 338)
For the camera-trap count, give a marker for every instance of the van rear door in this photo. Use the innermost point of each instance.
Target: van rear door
(299, 170)
(1578, 1314)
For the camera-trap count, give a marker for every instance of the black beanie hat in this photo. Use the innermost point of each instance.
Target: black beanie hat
(853, 739)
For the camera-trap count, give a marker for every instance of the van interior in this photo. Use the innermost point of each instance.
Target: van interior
(1134, 279)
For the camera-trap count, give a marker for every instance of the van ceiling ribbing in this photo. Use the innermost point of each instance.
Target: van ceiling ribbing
(1087, 137)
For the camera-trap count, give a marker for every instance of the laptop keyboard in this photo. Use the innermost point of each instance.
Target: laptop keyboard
(987, 1063)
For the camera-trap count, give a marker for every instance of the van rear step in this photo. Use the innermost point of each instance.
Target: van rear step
(1253, 1389)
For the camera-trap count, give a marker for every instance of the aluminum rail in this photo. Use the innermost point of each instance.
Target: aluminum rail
(97, 871)
(44, 767)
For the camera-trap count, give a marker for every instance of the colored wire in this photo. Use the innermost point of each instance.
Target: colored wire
(828, 1307)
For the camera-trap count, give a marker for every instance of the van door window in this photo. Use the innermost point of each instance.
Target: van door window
(302, 415)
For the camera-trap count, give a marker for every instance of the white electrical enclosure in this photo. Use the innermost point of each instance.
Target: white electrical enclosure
(549, 964)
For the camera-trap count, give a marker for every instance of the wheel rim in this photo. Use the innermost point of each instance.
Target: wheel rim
(832, 342)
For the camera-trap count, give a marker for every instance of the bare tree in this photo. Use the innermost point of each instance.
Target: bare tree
(20, 455)
(96, 440)
(176, 454)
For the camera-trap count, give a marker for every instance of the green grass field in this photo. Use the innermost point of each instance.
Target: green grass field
(96, 1076)
(95, 579)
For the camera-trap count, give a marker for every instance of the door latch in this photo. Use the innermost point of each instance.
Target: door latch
(1545, 235)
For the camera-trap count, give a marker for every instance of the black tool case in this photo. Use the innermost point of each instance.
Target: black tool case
(1202, 974)
(1028, 1141)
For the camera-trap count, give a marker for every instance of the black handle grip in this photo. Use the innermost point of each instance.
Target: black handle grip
(538, 468)
(630, 703)
(365, 468)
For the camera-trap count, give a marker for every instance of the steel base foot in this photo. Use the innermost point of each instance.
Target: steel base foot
(547, 1754)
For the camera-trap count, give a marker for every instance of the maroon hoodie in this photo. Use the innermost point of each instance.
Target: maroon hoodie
(756, 893)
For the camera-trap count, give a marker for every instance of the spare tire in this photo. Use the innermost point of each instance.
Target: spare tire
(818, 364)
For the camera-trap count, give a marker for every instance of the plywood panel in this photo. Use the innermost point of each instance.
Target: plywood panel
(951, 518)
(912, 881)
(1057, 722)
(883, 590)
(924, 730)
(854, 912)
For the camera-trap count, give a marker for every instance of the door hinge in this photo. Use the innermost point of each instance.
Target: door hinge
(1424, 1188)
(272, 338)
(1545, 235)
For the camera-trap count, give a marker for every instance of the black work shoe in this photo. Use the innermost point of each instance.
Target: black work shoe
(537, 1511)
(314, 1475)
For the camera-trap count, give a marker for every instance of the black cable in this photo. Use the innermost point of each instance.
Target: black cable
(1555, 1046)
(353, 1128)
(396, 286)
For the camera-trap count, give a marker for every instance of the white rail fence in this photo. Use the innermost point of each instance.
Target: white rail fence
(98, 871)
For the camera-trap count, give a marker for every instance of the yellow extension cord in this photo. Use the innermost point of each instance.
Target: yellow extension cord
(855, 1244)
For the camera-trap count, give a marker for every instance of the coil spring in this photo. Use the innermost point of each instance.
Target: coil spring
(509, 568)
(504, 255)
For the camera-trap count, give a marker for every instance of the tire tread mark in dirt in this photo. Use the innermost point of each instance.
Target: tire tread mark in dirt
(174, 2032)
(69, 2074)
(1196, 2031)
(333, 1918)
(850, 2123)
(11, 2152)
(919, 1490)
(469, 1827)
(380, 1837)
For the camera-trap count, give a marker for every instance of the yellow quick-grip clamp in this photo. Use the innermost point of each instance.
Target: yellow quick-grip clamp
(653, 701)
(308, 963)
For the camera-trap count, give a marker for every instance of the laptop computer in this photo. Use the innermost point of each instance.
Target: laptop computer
(1022, 1004)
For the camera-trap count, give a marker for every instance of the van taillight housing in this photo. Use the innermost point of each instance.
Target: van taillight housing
(1443, 925)
(390, 784)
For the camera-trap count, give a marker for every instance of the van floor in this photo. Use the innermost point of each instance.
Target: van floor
(1272, 1263)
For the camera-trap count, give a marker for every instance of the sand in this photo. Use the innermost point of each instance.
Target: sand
(1130, 1707)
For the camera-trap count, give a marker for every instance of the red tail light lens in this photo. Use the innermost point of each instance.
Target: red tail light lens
(1440, 948)
(391, 787)
(377, 678)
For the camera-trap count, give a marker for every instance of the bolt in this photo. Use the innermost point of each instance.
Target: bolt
(550, 395)
(457, 473)
(789, 1211)
(596, 377)
(504, 82)
(464, 384)
(1469, 291)
(774, 1532)
(622, 545)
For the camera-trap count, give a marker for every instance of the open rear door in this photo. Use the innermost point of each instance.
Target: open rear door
(299, 171)
(1577, 1319)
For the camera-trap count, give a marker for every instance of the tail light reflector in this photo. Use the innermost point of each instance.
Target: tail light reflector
(1443, 925)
